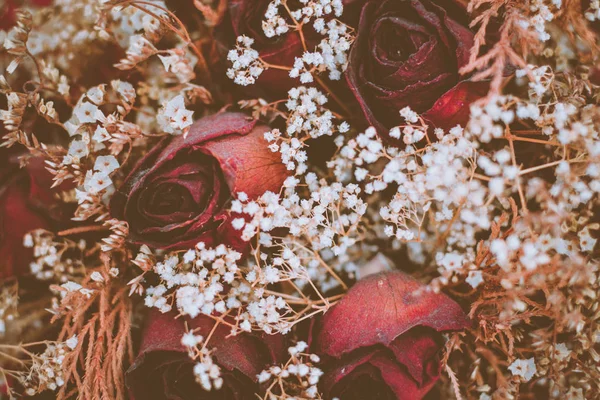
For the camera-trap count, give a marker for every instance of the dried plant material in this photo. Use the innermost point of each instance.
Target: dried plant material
(204, 206)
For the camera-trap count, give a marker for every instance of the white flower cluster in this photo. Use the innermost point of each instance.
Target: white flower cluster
(542, 13)
(296, 379)
(197, 282)
(334, 48)
(173, 117)
(317, 9)
(139, 50)
(207, 373)
(131, 21)
(47, 369)
(593, 12)
(275, 25)
(308, 118)
(563, 124)
(305, 66)
(331, 54)
(540, 79)
(206, 281)
(524, 368)
(50, 259)
(9, 300)
(179, 63)
(328, 219)
(323, 228)
(413, 131)
(87, 118)
(246, 63)
(436, 179)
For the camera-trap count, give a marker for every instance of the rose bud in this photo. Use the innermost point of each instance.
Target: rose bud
(177, 195)
(383, 339)
(408, 53)
(164, 370)
(27, 202)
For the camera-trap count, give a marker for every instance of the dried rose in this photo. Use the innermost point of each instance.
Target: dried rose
(408, 53)
(245, 18)
(176, 195)
(26, 203)
(383, 339)
(163, 369)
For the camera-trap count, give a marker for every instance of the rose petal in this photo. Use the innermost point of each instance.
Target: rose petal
(417, 350)
(246, 353)
(380, 308)
(27, 202)
(246, 165)
(383, 372)
(453, 107)
(16, 219)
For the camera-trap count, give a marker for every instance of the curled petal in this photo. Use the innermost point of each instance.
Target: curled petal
(453, 107)
(375, 373)
(382, 307)
(240, 357)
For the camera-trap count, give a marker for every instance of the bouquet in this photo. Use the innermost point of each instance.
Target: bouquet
(299, 199)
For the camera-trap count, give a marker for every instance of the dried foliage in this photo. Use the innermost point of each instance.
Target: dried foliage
(500, 213)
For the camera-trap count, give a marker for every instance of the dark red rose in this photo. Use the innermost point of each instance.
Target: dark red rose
(408, 53)
(245, 18)
(176, 195)
(163, 369)
(383, 339)
(26, 203)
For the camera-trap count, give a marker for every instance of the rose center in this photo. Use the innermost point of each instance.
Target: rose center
(396, 41)
(167, 198)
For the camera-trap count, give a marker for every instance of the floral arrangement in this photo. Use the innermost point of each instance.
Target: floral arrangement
(299, 199)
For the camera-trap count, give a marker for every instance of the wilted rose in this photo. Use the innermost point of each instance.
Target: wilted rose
(383, 339)
(408, 53)
(245, 17)
(177, 195)
(26, 203)
(163, 369)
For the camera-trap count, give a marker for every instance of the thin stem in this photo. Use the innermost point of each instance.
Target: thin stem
(514, 163)
(83, 229)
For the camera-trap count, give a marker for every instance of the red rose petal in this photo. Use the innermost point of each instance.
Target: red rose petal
(248, 353)
(380, 308)
(378, 362)
(453, 108)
